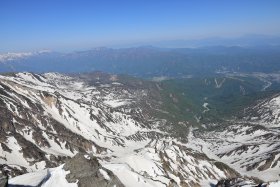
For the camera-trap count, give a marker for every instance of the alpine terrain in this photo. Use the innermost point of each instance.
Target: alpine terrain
(100, 129)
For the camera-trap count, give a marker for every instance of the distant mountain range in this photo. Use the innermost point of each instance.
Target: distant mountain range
(149, 61)
(248, 40)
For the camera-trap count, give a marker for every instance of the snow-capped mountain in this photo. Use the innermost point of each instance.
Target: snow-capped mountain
(13, 56)
(6, 57)
(109, 123)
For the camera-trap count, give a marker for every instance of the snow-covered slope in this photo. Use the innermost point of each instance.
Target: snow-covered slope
(249, 149)
(265, 112)
(46, 119)
(49, 177)
(82, 169)
(250, 145)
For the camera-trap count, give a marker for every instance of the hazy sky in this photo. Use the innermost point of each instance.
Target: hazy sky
(69, 24)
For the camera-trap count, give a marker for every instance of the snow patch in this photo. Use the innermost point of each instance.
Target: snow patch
(46, 178)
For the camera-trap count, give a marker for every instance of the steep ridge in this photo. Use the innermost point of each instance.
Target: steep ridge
(266, 112)
(249, 144)
(85, 171)
(46, 119)
(249, 149)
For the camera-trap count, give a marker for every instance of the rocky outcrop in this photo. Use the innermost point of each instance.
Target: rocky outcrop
(3, 180)
(233, 182)
(89, 173)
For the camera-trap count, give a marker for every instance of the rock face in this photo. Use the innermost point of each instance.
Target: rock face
(3, 180)
(239, 182)
(89, 173)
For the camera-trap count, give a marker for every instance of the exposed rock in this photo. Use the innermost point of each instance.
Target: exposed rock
(239, 182)
(3, 180)
(87, 170)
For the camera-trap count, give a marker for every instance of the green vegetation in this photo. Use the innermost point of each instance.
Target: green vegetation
(183, 99)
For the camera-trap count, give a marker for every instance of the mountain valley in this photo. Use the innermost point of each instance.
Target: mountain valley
(132, 130)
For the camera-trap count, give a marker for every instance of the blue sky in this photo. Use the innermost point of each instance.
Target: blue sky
(71, 25)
